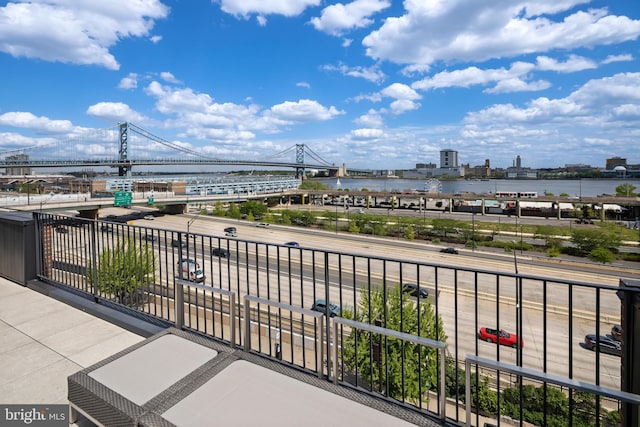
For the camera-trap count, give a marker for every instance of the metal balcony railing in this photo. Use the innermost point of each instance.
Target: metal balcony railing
(289, 289)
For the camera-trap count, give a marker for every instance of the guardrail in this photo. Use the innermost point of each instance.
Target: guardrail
(179, 305)
(439, 345)
(319, 335)
(73, 252)
(542, 377)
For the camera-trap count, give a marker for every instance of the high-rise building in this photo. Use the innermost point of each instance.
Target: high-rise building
(448, 159)
(18, 158)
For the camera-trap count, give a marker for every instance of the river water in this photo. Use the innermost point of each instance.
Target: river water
(574, 188)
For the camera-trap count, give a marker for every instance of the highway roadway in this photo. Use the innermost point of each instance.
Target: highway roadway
(452, 290)
(462, 316)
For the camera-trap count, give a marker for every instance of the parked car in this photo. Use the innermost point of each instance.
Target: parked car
(263, 225)
(292, 244)
(504, 337)
(604, 343)
(616, 332)
(149, 217)
(321, 306)
(453, 251)
(414, 290)
(220, 252)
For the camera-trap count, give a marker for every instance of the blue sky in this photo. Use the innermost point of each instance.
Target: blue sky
(375, 84)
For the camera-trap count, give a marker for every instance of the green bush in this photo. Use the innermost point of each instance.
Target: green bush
(553, 252)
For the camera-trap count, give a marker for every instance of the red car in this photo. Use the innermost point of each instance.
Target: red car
(506, 338)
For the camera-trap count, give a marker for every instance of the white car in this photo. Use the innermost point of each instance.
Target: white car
(149, 217)
(263, 225)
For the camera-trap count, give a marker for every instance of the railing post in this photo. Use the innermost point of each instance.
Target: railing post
(178, 301)
(467, 391)
(232, 318)
(94, 259)
(327, 311)
(247, 324)
(320, 355)
(335, 352)
(631, 349)
(443, 385)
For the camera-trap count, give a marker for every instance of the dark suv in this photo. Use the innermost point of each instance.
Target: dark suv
(220, 252)
(414, 290)
(604, 343)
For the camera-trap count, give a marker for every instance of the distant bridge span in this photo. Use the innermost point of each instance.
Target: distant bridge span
(126, 145)
(154, 162)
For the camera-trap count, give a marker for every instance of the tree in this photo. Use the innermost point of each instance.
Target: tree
(399, 369)
(444, 226)
(234, 211)
(626, 190)
(258, 209)
(550, 236)
(218, 209)
(588, 239)
(409, 233)
(602, 255)
(124, 271)
(312, 185)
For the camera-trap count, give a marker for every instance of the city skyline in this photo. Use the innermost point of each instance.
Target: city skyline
(375, 84)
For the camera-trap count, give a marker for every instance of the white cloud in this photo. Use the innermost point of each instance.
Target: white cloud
(514, 79)
(28, 120)
(468, 30)
(304, 85)
(571, 65)
(367, 133)
(400, 91)
(246, 8)
(129, 82)
(372, 74)
(168, 77)
(372, 119)
(404, 98)
(338, 18)
(304, 110)
(400, 106)
(617, 58)
(155, 39)
(593, 103)
(76, 32)
(114, 112)
(15, 141)
(518, 85)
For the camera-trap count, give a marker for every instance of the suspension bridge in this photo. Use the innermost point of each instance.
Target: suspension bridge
(125, 145)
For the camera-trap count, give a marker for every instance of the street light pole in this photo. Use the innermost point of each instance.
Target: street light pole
(520, 239)
(473, 232)
(518, 312)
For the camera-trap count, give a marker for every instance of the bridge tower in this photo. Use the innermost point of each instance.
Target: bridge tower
(125, 168)
(300, 160)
